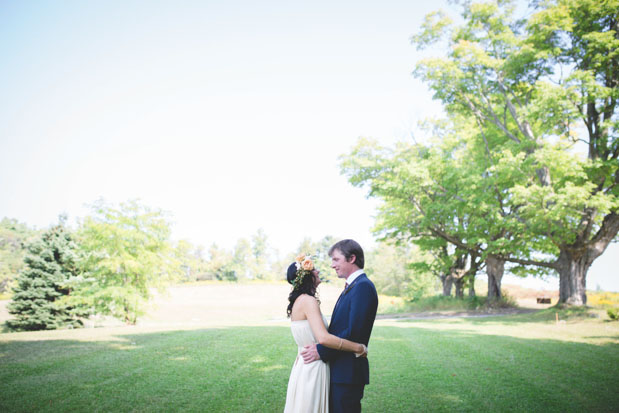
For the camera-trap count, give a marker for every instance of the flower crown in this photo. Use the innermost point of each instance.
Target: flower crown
(304, 265)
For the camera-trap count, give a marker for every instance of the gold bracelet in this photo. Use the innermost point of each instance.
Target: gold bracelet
(340, 347)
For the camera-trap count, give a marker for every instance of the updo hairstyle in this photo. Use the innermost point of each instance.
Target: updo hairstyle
(304, 285)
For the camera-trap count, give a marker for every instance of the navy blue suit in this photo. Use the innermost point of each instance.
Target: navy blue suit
(352, 319)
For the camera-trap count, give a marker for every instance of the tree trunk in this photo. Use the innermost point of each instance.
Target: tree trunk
(575, 260)
(447, 281)
(573, 278)
(472, 286)
(460, 287)
(494, 268)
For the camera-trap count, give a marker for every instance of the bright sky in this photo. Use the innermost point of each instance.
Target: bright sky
(230, 115)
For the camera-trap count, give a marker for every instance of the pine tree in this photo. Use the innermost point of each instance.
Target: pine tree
(49, 262)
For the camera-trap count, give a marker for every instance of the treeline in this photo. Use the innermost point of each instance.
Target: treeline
(118, 256)
(522, 174)
(108, 265)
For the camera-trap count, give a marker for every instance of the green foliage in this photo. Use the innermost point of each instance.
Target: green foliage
(558, 70)
(192, 261)
(220, 265)
(246, 261)
(613, 313)
(389, 267)
(319, 250)
(439, 194)
(447, 303)
(127, 253)
(500, 176)
(36, 302)
(242, 260)
(14, 236)
(259, 264)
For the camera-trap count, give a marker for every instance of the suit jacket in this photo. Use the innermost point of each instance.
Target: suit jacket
(352, 319)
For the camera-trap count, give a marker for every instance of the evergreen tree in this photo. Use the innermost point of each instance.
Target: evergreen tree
(49, 262)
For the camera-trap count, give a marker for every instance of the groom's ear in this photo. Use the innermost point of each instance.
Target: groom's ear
(352, 259)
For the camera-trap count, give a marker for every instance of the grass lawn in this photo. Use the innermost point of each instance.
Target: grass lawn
(524, 362)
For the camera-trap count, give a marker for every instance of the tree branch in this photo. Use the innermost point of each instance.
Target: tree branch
(537, 263)
(453, 240)
(524, 126)
(495, 120)
(607, 232)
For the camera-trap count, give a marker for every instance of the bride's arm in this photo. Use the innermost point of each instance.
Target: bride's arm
(312, 312)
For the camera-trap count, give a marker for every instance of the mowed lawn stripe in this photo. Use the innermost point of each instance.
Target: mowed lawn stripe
(502, 364)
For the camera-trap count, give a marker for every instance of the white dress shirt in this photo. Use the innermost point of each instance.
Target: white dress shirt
(352, 277)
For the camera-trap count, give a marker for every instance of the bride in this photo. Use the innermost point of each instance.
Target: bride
(308, 386)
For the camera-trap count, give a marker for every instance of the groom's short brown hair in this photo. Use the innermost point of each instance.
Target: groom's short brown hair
(348, 248)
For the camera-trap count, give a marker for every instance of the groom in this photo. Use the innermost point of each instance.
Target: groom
(352, 319)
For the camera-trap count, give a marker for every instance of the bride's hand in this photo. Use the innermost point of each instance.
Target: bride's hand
(364, 353)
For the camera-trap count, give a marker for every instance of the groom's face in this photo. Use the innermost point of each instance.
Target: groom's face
(342, 267)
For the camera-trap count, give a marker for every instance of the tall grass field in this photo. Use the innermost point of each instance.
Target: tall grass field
(214, 358)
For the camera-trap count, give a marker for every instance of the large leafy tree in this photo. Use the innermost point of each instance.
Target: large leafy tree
(539, 88)
(36, 303)
(439, 197)
(128, 253)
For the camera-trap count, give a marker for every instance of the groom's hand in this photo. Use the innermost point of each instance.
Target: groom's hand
(310, 354)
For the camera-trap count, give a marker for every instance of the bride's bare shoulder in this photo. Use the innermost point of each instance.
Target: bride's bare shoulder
(307, 299)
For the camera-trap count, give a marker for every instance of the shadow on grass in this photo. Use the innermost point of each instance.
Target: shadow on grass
(246, 369)
(423, 369)
(220, 369)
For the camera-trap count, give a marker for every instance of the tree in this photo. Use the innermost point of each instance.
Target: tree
(14, 236)
(242, 259)
(49, 263)
(127, 253)
(261, 259)
(544, 86)
(220, 264)
(390, 267)
(191, 258)
(319, 250)
(432, 195)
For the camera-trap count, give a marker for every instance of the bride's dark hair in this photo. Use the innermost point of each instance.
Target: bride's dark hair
(303, 286)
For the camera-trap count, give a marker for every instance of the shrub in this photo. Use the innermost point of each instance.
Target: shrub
(506, 301)
(613, 313)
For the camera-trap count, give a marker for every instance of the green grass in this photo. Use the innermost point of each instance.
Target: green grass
(393, 305)
(465, 367)
(520, 363)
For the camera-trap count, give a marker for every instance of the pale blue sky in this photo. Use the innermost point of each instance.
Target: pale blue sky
(230, 115)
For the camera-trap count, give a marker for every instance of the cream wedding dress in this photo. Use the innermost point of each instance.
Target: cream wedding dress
(308, 387)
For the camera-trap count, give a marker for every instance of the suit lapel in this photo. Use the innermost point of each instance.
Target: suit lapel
(350, 287)
(346, 291)
(337, 302)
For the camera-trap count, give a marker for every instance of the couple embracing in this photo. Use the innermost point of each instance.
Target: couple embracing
(331, 369)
